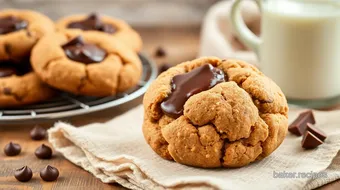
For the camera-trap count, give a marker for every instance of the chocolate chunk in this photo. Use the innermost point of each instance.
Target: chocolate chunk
(9, 68)
(310, 141)
(12, 149)
(43, 152)
(79, 51)
(160, 52)
(49, 173)
(164, 67)
(7, 71)
(11, 24)
(38, 133)
(299, 126)
(23, 174)
(93, 22)
(316, 132)
(185, 85)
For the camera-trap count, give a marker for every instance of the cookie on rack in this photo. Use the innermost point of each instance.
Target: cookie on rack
(92, 64)
(19, 32)
(214, 113)
(19, 85)
(102, 24)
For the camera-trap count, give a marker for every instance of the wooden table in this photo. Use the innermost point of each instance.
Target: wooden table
(180, 45)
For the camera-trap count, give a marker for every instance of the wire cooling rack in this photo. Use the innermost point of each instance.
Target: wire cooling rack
(67, 105)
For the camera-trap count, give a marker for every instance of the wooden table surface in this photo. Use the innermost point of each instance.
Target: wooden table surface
(180, 45)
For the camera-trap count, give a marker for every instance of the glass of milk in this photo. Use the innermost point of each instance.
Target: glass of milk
(299, 47)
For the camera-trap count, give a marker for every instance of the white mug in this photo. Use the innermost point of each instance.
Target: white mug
(299, 47)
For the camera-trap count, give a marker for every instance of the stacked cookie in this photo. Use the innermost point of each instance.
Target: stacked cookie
(83, 55)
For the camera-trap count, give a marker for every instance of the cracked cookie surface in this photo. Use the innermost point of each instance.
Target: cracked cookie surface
(21, 90)
(120, 70)
(123, 31)
(17, 44)
(232, 124)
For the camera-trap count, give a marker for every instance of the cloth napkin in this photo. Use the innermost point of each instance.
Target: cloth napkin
(117, 152)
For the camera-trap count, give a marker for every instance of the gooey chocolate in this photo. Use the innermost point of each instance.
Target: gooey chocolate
(8, 69)
(185, 85)
(11, 24)
(93, 22)
(79, 51)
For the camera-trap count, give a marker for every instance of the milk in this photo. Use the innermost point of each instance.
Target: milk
(300, 47)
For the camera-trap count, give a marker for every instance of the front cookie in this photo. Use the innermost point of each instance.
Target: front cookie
(90, 64)
(102, 24)
(20, 86)
(19, 31)
(214, 113)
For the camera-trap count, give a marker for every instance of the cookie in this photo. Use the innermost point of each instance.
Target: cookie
(92, 64)
(20, 86)
(19, 32)
(214, 113)
(102, 24)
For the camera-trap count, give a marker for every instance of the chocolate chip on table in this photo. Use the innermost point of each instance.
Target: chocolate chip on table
(43, 152)
(93, 22)
(77, 50)
(12, 149)
(310, 141)
(164, 67)
(23, 174)
(7, 91)
(299, 126)
(316, 132)
(38, 133)
(49, 173)
(185, 85)
(160, 52)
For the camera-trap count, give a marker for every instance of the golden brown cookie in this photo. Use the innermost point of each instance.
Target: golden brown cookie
(19, 31)
(102, 24)
(92, 64)
(20, 86)
(214, 113)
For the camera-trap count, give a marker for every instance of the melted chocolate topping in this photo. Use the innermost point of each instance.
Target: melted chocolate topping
(185, 85)
(11, 24)
(9, 68)
(93, 22)
(79, 51)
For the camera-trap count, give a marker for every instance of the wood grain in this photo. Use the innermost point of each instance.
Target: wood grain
(180, 45)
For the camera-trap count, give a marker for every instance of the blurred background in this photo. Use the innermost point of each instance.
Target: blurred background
(136, 12)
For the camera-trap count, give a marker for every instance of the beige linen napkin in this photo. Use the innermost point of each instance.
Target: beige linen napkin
(116, 152)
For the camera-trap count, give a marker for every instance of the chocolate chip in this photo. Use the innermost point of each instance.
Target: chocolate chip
(10, 24)
(23, 174)
(79, 51)
(160, 52)
(38, 133)
(93, 22)
(316, 132)
(299, 126)
(164, 67)
(12, 149)
(185, 85)
(8, 49)
(310, 141)
(43, 152)
(7, 91)
(49, 173)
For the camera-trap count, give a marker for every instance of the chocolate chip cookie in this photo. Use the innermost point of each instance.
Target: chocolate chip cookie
(92, 64)
(19, 31)
(102, 24)
(214, 113)
(20, 86)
